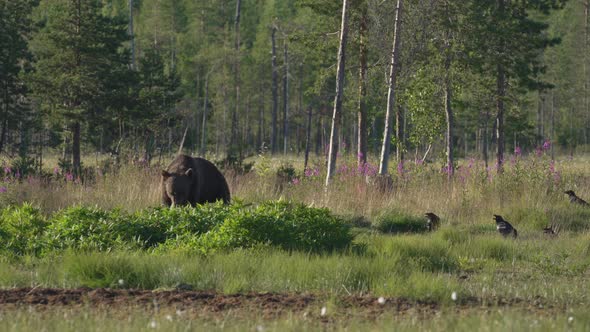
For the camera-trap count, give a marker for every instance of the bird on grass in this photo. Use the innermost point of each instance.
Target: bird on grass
(575, 199)
(504, 227)
(551, 230)
(433, 221)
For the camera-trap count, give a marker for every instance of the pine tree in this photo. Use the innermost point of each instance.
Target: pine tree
(76, 51)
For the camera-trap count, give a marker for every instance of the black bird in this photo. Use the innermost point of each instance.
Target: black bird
(504, 227)
(433, 221)
(551, 230)
(575, 199)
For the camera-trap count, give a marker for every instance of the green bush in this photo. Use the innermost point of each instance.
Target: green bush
(286, 225)
(204, 228)
(21, 230)
(93, 229)
(393, 221)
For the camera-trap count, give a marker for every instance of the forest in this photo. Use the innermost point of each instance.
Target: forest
(232, 79)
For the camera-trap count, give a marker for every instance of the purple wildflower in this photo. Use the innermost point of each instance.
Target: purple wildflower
(446, 169)
(342, 169)
(316, 171)
(400, 168)
(7, 170)
(360, 155)
(17, 174)
(295, 181)
(69, 176)
(546, 145)
(3, 189)
(517, 151)
(552, 166)
(56, 170)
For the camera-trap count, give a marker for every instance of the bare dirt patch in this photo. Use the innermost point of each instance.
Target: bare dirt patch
(266, 304)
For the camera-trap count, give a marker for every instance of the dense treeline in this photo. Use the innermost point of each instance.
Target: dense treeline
(232, 78)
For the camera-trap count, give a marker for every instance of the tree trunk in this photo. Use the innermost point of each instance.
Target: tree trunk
(307, 138)
(337, 115)
(76, 148)
(4, 118)
(539, 119)
(449, 112)
(132, 35)
(399, 133)
(318, 136)
(553, 125)
(204, 123)
(449, 115)
(261, 119)
(286, 100)
(500, 94)
(273, 138)
(385, 149)
(362, 110)
(585, 72)
(234, 145)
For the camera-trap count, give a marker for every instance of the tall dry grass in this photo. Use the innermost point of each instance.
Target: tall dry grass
(529, 186)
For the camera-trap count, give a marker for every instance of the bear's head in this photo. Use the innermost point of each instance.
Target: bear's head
(178, 186)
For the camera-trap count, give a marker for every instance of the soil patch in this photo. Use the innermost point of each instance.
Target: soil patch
(266, 304)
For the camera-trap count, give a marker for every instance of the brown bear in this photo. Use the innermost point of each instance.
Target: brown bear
(189, 180)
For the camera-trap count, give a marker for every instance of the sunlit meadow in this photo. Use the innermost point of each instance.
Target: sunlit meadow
(466, 262)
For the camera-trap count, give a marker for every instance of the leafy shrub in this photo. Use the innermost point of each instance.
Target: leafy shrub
(93, 229)
(21, 230)
(163, 223)
(286, 225)
(393, 221)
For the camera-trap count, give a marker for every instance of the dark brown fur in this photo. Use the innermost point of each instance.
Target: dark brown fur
(433, 221)
(189, 180)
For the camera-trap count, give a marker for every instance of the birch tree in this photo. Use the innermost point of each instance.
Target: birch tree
(393, 71)
(337, 115)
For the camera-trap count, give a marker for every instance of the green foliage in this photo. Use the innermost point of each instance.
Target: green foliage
(206, 228)
(286, 225)
(22, 230)
(394, 221)
(93, 229)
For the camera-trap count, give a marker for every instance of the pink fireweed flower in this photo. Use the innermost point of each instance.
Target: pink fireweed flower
(316, 171)
(69, 176)
(446, 169)
(419, 162)
(517, 151)
(342, 169)
(3, 189)
(295, 181)
(400, 168)
(308, 172)
(552, 166)
(7, 170)
(547, 145)
(360, 155)
(17, 174)
(56, 170)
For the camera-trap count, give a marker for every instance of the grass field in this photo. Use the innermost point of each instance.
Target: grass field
(468, 273)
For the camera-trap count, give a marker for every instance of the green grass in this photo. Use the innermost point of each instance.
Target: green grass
(337, 319)
(418, 267)
(390, 256)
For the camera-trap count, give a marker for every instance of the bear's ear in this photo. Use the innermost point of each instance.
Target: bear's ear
(189, 172)
(165, 174)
